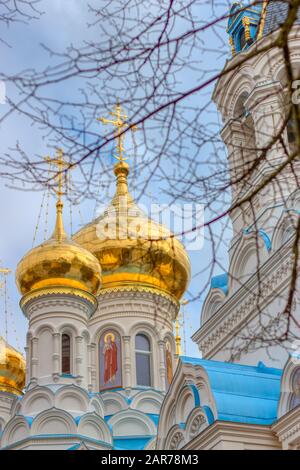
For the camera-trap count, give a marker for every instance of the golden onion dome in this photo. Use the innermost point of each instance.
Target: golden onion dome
(58, 263)
(12, 369)
(132, 249)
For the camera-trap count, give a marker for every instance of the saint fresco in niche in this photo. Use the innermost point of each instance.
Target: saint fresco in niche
(169, 366)
(110, 360)
(295, 399)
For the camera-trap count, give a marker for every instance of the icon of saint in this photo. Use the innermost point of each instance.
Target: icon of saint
(110, 352)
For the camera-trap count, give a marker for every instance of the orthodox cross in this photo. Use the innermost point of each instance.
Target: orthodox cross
(61, 165)
(5, 272)
(120, 124)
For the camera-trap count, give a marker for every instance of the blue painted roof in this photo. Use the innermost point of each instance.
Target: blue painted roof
(220, 282)
(244, 394)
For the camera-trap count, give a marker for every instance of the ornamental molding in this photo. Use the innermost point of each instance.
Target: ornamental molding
(197, 423)
(71, 439)
(287, 428)
(40, 303)
(221, 432)
(233, 75)
(163, 318)
(138, 292)
(58, 297)
(241, 307)
(7, 399)
(176, 441)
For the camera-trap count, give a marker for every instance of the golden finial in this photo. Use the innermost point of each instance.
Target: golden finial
(120, 124)
(59, 231)
(246, 24)
(231, 42)
(5, 271)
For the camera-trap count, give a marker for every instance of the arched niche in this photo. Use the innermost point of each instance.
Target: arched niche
(213, 302)
(285, 229)
(290, 386)
(132, 423)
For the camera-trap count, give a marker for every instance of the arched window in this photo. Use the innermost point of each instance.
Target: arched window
(295, 398)
(242, 39)
(143, 360)
(65, 354)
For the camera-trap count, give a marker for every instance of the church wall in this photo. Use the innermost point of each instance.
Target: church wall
(130, 314)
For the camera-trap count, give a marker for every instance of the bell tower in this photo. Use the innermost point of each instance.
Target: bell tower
(254, 101)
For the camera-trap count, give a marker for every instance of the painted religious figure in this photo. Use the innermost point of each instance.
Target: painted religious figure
(295, 400)
(169, 363)
(110, 360)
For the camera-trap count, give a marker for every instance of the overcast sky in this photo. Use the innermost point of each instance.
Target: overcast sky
(64, 22)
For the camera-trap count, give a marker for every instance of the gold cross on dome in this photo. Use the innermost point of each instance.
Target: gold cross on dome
(120, 123)
(4, 270)
(61, 165)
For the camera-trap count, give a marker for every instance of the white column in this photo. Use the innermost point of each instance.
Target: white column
(90, 367)
(78, 359)
(56, 355)
(34, 359)
(27, 355)
(94, 368)
(127, 362)
(266, 104)
(162, 365)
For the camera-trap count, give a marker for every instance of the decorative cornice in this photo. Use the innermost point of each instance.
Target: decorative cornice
(287, 428)
(240, 433)
(241, 307)
(48, 294)
(112, 291)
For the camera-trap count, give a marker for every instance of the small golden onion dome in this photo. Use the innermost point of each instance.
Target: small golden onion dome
(132, 249)
(12, 369)
(58, 262)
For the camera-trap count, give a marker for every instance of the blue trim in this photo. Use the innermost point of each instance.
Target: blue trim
(195, 393)
(235, 26)
(264, 236)
(209, 414)
(75, 447)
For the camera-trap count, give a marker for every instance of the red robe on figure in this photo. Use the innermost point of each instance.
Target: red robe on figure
(110, 361)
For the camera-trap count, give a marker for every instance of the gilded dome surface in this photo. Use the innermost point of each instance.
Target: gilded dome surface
(12, 369)
(58, 262)
(132, 249)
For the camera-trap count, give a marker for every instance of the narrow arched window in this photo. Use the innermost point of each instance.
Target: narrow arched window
(291, 134)
(143, 360)
(65, 354)
(242, 39)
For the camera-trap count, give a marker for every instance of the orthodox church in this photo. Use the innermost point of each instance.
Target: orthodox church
(103, 367)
